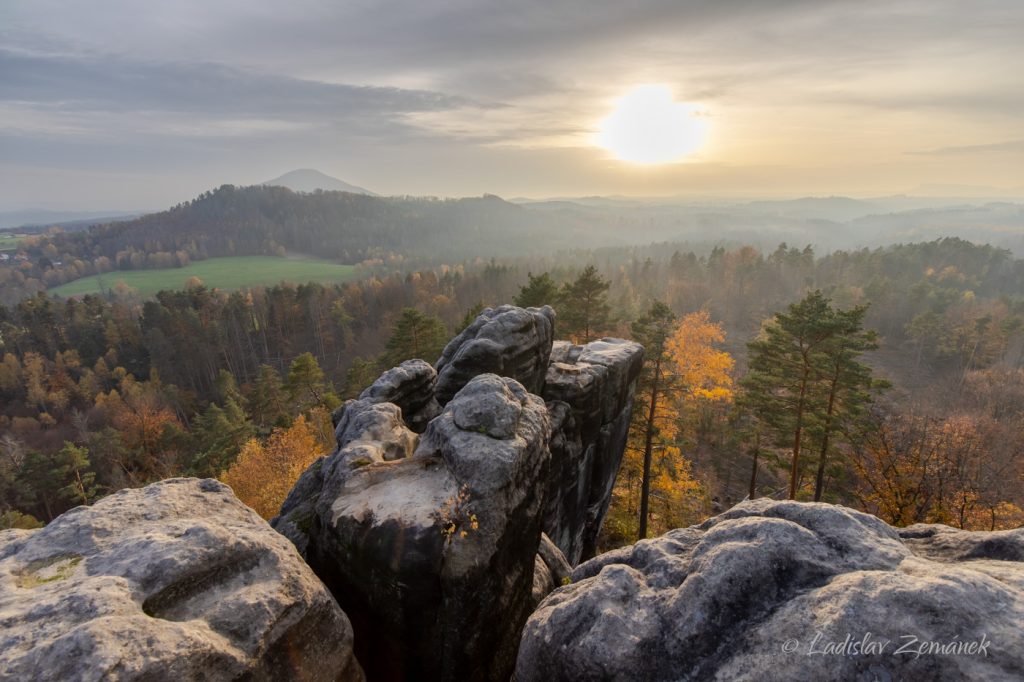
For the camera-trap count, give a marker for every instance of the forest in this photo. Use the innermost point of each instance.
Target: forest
(888, 379)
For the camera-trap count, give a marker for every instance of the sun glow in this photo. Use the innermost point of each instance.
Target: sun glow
(647, 126)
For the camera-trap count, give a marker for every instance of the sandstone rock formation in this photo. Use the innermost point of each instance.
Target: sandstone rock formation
(551, 569)
(589, 390)
(410, 386)
(783, 591)
(432, 555)
(432, 543)
(175, 581)
(507, 341)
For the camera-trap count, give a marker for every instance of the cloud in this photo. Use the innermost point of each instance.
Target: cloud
(446, 91)
(114, 84)
(1009, 146)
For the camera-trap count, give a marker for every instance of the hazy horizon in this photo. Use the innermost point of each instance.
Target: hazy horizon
(116, 106)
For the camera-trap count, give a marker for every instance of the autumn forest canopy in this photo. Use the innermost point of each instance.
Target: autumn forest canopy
(888, 378)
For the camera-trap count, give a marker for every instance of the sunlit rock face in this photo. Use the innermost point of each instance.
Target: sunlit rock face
(430, 537)
(784, 591)
(175, 581)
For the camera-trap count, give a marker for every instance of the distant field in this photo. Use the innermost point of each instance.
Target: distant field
(235, 272)
(10, 241)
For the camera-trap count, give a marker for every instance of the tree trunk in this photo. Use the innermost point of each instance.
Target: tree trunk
(798, 434)
(753, 471)
(819, 482)
(645, 486)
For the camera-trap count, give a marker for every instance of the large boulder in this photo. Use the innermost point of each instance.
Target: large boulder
(507, 341)
(783, 591)
(590, 392)
(433, 555)
(175, 581)
(410, 386)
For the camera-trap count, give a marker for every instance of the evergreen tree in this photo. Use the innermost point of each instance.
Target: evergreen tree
(306, 385)
(804, 379)
(471, 314)
(785, 364)
(848, 384)
(267, 400)
(361, 374)
(584, 305)
(220, 433)
(72, 463)
(538, 291)
(653, 330)
(415, 335)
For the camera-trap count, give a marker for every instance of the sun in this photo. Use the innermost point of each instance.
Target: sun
(648, 127)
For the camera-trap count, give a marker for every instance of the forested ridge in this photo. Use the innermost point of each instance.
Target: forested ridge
(268, 220)
(100, 393)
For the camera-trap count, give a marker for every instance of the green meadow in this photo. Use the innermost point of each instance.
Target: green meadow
(9, 240)
(235, 272)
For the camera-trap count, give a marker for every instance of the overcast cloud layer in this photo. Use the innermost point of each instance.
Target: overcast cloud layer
(116, 104)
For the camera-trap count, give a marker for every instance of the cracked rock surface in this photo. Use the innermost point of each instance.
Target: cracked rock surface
(175, 581)
(721, 600)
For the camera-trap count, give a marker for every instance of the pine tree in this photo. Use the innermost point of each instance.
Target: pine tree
(72, 463)
(538, 291)
(471, 314)
(220, 433)
(682, 367)
(306, 385)
(584, 305)
(847, 383)
(805, 381)
(361, 374)
(653, 330)
(266, 399)
(785, 365)
(415, 335)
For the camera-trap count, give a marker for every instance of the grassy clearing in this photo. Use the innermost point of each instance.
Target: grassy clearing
(236, 272)
(9, 241)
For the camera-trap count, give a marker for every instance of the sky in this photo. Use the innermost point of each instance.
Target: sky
(120, 104)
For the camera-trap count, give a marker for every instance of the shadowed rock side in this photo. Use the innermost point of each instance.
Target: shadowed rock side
(507, 341)
(743, 596)
(590, 392)
(175, 581)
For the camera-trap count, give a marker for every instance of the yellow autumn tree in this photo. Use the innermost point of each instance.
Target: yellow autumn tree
(704, 371)
(655, 489)
(264, 473)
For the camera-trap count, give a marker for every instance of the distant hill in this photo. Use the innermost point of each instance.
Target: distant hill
(309, 180)
(73, 220)
(348, 227)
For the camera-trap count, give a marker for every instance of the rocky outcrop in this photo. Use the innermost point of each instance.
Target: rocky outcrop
(410, 386)
(551, 569)
(507, 341)
(432, 555)
(430, 536)
(787, 590)
(589, 390)
(175, 581)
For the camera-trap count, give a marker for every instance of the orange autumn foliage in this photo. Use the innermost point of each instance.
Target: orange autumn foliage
(264, 473)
